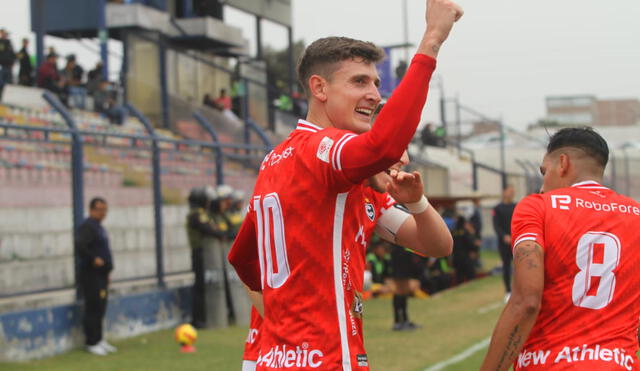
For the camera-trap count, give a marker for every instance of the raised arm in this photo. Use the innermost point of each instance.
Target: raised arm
(362, 156)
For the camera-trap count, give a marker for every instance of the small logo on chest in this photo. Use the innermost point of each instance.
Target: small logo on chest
(370, 210)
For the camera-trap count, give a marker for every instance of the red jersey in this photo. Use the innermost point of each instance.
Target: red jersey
(252, 344)
(374, 205)
(591, 299)
(303, 241)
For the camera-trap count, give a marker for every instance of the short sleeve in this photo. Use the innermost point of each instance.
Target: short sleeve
(527, 223)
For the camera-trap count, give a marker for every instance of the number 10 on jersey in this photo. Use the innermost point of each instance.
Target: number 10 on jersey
(272, 246)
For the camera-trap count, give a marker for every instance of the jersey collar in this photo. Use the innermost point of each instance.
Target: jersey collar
(589, 184)
(307, 126)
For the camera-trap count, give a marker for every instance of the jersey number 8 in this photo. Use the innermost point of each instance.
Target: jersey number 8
(272, 247)
(597, 256)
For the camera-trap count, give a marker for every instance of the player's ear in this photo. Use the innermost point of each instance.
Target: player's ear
(318, 87)
(564, 163)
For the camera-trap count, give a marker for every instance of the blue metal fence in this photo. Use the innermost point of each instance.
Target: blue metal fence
(151, 143)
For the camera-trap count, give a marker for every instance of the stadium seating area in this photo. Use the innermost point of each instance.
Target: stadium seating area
(32, 160)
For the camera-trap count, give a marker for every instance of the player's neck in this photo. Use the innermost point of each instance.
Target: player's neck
(586, 178)
(318, 116)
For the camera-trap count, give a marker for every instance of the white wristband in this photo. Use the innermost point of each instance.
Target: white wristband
(418, 206)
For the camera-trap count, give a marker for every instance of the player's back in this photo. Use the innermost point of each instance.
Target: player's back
(590, 305)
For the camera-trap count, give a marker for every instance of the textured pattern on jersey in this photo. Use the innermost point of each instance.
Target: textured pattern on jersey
(590, 303)
(303, 315)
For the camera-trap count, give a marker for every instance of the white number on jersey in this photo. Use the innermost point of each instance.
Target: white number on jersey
(272, 247)
(597, 255)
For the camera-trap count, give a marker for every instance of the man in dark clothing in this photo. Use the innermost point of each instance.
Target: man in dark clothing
(502, 225)
(464, 250)
(476, 221)
(48, 76)
(92, 245)
(406, 271)
(25, 75)
(200, 226)
(7, 58)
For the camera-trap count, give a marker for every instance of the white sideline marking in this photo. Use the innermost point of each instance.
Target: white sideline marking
(490, 307)
(460, 356)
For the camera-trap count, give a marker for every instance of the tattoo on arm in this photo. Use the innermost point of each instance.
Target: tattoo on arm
(528, 253)
(435, 48)
(511, 349)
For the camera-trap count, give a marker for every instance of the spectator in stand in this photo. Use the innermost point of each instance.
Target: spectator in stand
(7, 58)
(238, 92)
(25, 75)
(48, 76)
(465, 250)
(223, 101)
(72, 75)
(72, 72)
(104, 103)
(432, 137)
(93, 79)
(208, 101)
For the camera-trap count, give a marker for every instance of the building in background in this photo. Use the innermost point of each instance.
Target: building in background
(589, 110)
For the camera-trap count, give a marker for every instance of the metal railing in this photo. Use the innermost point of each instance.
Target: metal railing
(151, 143)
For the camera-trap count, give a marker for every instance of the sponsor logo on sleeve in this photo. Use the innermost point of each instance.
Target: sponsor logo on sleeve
(324, 149)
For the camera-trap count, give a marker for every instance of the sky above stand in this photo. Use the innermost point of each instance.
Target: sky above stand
(502, 59)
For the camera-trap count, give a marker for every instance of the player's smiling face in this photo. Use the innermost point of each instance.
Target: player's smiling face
(352, 95)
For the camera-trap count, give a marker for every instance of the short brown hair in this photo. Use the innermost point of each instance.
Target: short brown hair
(324, 53)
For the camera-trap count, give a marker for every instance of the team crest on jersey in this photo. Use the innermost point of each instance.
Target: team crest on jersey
(370, 210)
(357, 309)
(324, 149)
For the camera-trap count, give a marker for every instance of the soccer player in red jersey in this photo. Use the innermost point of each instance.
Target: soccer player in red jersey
(576, 291)
(302, 239)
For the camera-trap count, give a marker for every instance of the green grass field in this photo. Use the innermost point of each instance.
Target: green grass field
(451, 321)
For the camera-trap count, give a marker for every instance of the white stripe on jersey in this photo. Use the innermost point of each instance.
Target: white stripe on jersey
(259, 218)
(334, 155)
(306, 129)
(308, 125)
(335, 158)
(340, 150)
(525, 237)
(337, 279)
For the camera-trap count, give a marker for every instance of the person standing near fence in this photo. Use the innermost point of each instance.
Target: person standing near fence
(96, 263)
(502, 225)
(199, 227)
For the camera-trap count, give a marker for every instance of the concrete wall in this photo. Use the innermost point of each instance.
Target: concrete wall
(48, 330)
(36, 245)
